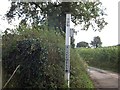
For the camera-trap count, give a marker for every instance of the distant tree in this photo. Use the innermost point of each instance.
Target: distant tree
(82, 44)
(96, 42)
(118, 45)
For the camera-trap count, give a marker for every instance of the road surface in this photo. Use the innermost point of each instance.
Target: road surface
(104, 79)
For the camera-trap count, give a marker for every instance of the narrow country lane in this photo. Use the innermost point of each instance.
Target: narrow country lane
(103, 79)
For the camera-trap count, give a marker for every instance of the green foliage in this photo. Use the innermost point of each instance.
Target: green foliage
(82, 44)
(41, 56)
(79, 77)
(96, 42)
(104, 58)
(54, 13)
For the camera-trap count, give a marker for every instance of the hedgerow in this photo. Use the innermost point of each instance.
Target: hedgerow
(104, 58)
(41, 56)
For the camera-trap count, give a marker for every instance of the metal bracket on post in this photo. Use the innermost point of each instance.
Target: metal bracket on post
(72, 32)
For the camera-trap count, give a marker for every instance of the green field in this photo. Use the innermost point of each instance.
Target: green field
(103, 58)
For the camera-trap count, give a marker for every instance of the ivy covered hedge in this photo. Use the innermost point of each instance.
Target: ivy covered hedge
(41, 56)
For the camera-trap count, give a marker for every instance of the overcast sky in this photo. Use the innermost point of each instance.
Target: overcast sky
(109, 35)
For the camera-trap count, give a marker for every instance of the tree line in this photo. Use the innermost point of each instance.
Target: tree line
(95, 43)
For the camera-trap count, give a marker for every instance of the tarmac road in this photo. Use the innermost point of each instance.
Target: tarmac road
(103, 79)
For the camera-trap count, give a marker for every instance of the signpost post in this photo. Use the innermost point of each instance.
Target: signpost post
(67, 50)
